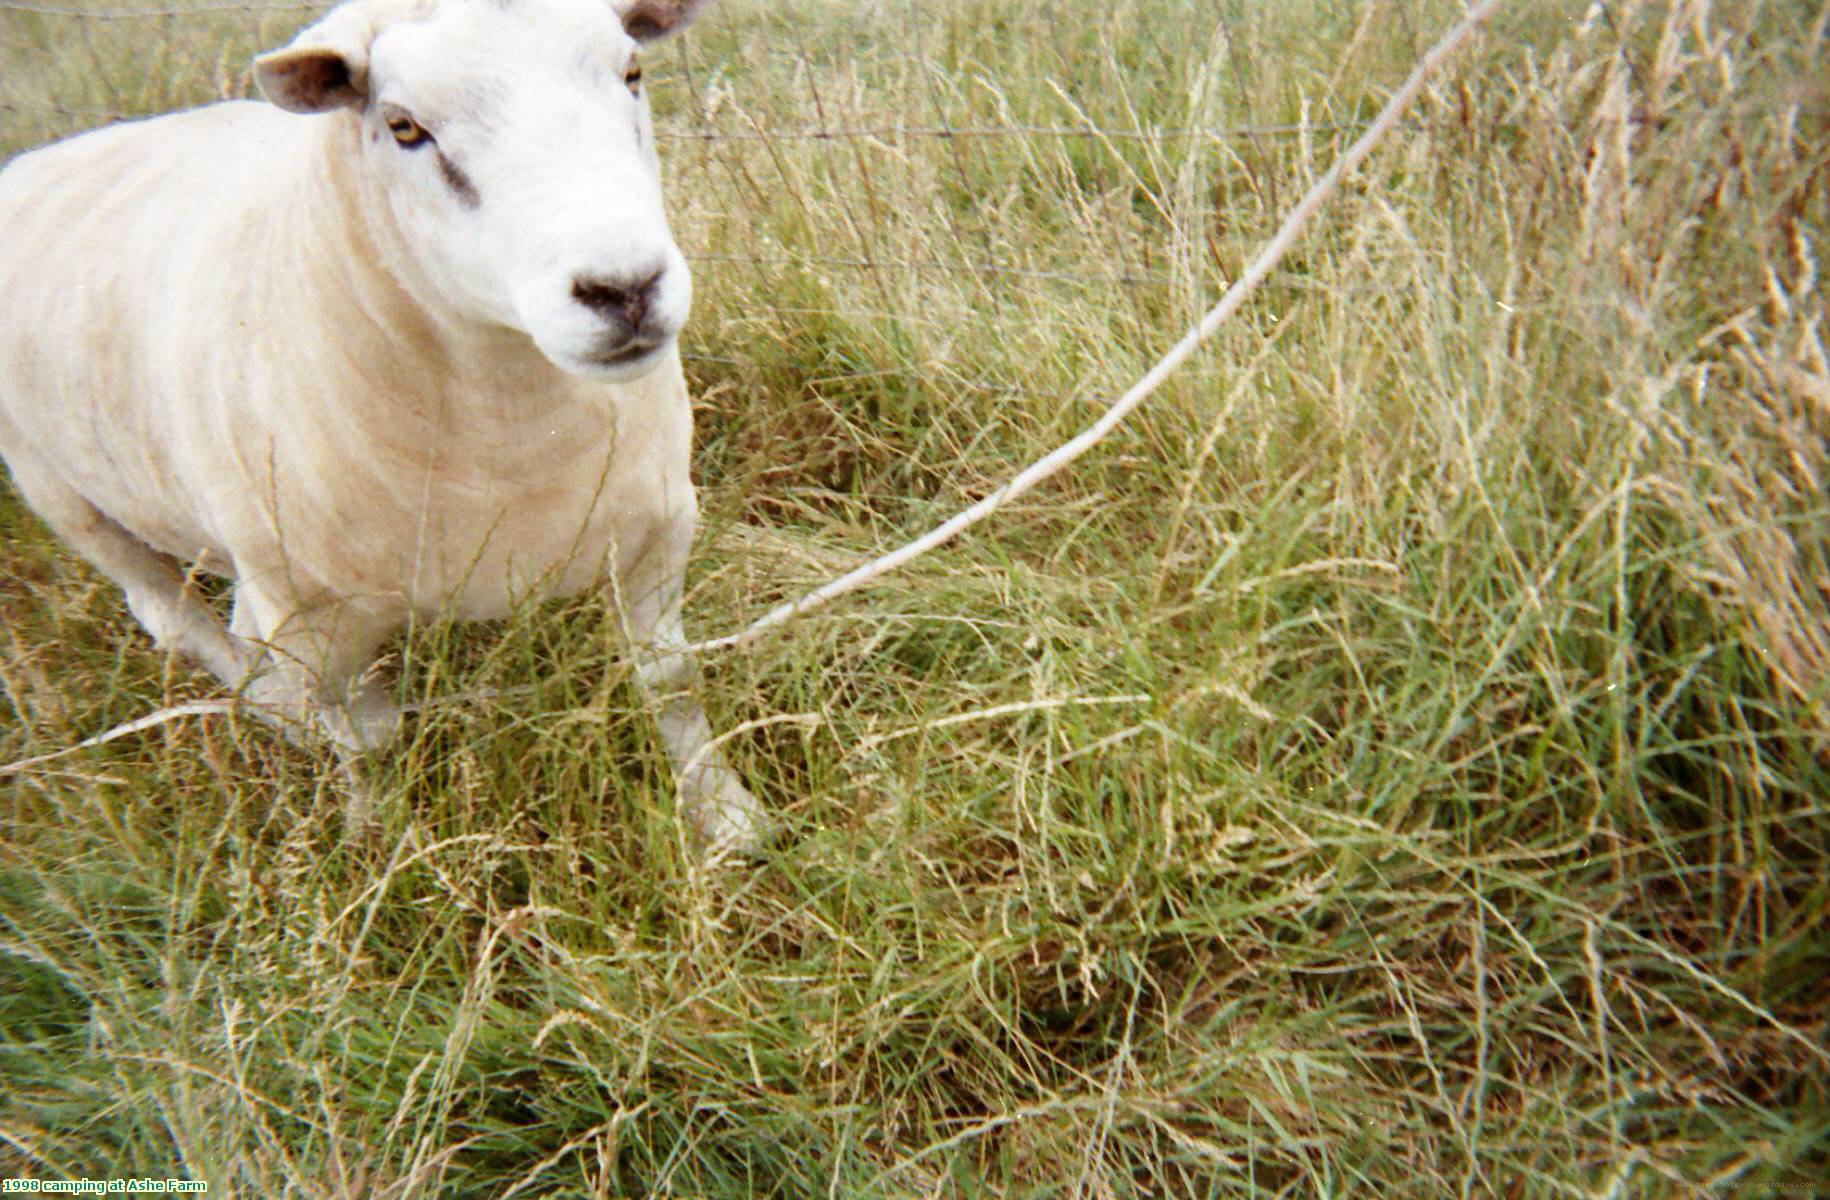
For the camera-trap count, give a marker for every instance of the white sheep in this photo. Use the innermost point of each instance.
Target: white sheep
(411, 352)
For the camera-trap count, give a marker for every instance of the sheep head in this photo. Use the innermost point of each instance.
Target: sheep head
(504, 159)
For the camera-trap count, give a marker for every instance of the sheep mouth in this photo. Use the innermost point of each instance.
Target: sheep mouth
(623, 355)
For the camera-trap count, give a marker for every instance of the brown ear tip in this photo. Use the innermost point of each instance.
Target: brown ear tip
(645, 20)
(307, 81)
(276, 67)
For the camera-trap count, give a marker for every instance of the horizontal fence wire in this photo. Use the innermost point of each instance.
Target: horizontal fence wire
(883, 133)
(935, 376)
(935, 266)
(889, 133)
(141, 14)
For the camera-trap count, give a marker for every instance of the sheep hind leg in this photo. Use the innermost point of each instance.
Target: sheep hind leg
(153, 582)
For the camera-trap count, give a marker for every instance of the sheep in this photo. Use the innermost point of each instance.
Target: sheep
(401, 342)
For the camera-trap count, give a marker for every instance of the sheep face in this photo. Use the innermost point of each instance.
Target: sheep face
(506, 164)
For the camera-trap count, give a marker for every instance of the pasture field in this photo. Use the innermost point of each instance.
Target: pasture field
(1395, 764)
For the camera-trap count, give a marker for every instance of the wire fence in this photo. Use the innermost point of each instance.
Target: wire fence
(135, 14)
(717, 133)
(886, 134)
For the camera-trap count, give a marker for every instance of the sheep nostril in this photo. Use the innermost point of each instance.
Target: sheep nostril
(627, 299)
(597, 295)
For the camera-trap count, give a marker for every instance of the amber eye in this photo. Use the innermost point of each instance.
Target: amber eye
(407, 131)
(632, 78)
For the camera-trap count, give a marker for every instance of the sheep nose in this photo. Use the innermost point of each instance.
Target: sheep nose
(626, 298)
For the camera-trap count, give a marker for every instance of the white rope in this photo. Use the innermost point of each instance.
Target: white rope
(214, 708)
(1042, 468)
(149, 721)
(1229, 303)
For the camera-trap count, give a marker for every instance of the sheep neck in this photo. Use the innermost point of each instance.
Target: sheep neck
(448, 444)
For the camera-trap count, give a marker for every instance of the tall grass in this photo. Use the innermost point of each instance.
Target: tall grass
(1394, 764)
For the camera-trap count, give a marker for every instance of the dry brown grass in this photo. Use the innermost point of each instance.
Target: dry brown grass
(1469, 838)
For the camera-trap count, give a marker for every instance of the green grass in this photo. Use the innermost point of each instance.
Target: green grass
(1396, 764)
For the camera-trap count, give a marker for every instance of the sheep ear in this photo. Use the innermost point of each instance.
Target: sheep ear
(648, 20)
(325, 67)
(308, 79)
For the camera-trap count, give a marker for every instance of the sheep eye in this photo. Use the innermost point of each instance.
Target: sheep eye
(632, 78)
(408, 132)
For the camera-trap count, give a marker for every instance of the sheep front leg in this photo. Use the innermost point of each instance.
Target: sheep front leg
(314, 675)
(710, 792)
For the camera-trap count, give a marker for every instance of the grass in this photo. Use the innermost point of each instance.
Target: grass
(1394, 764)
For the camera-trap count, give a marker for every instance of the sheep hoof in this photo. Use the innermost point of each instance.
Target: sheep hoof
(360, 729)
(361, 798)
(366, 721)
(731, 822)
